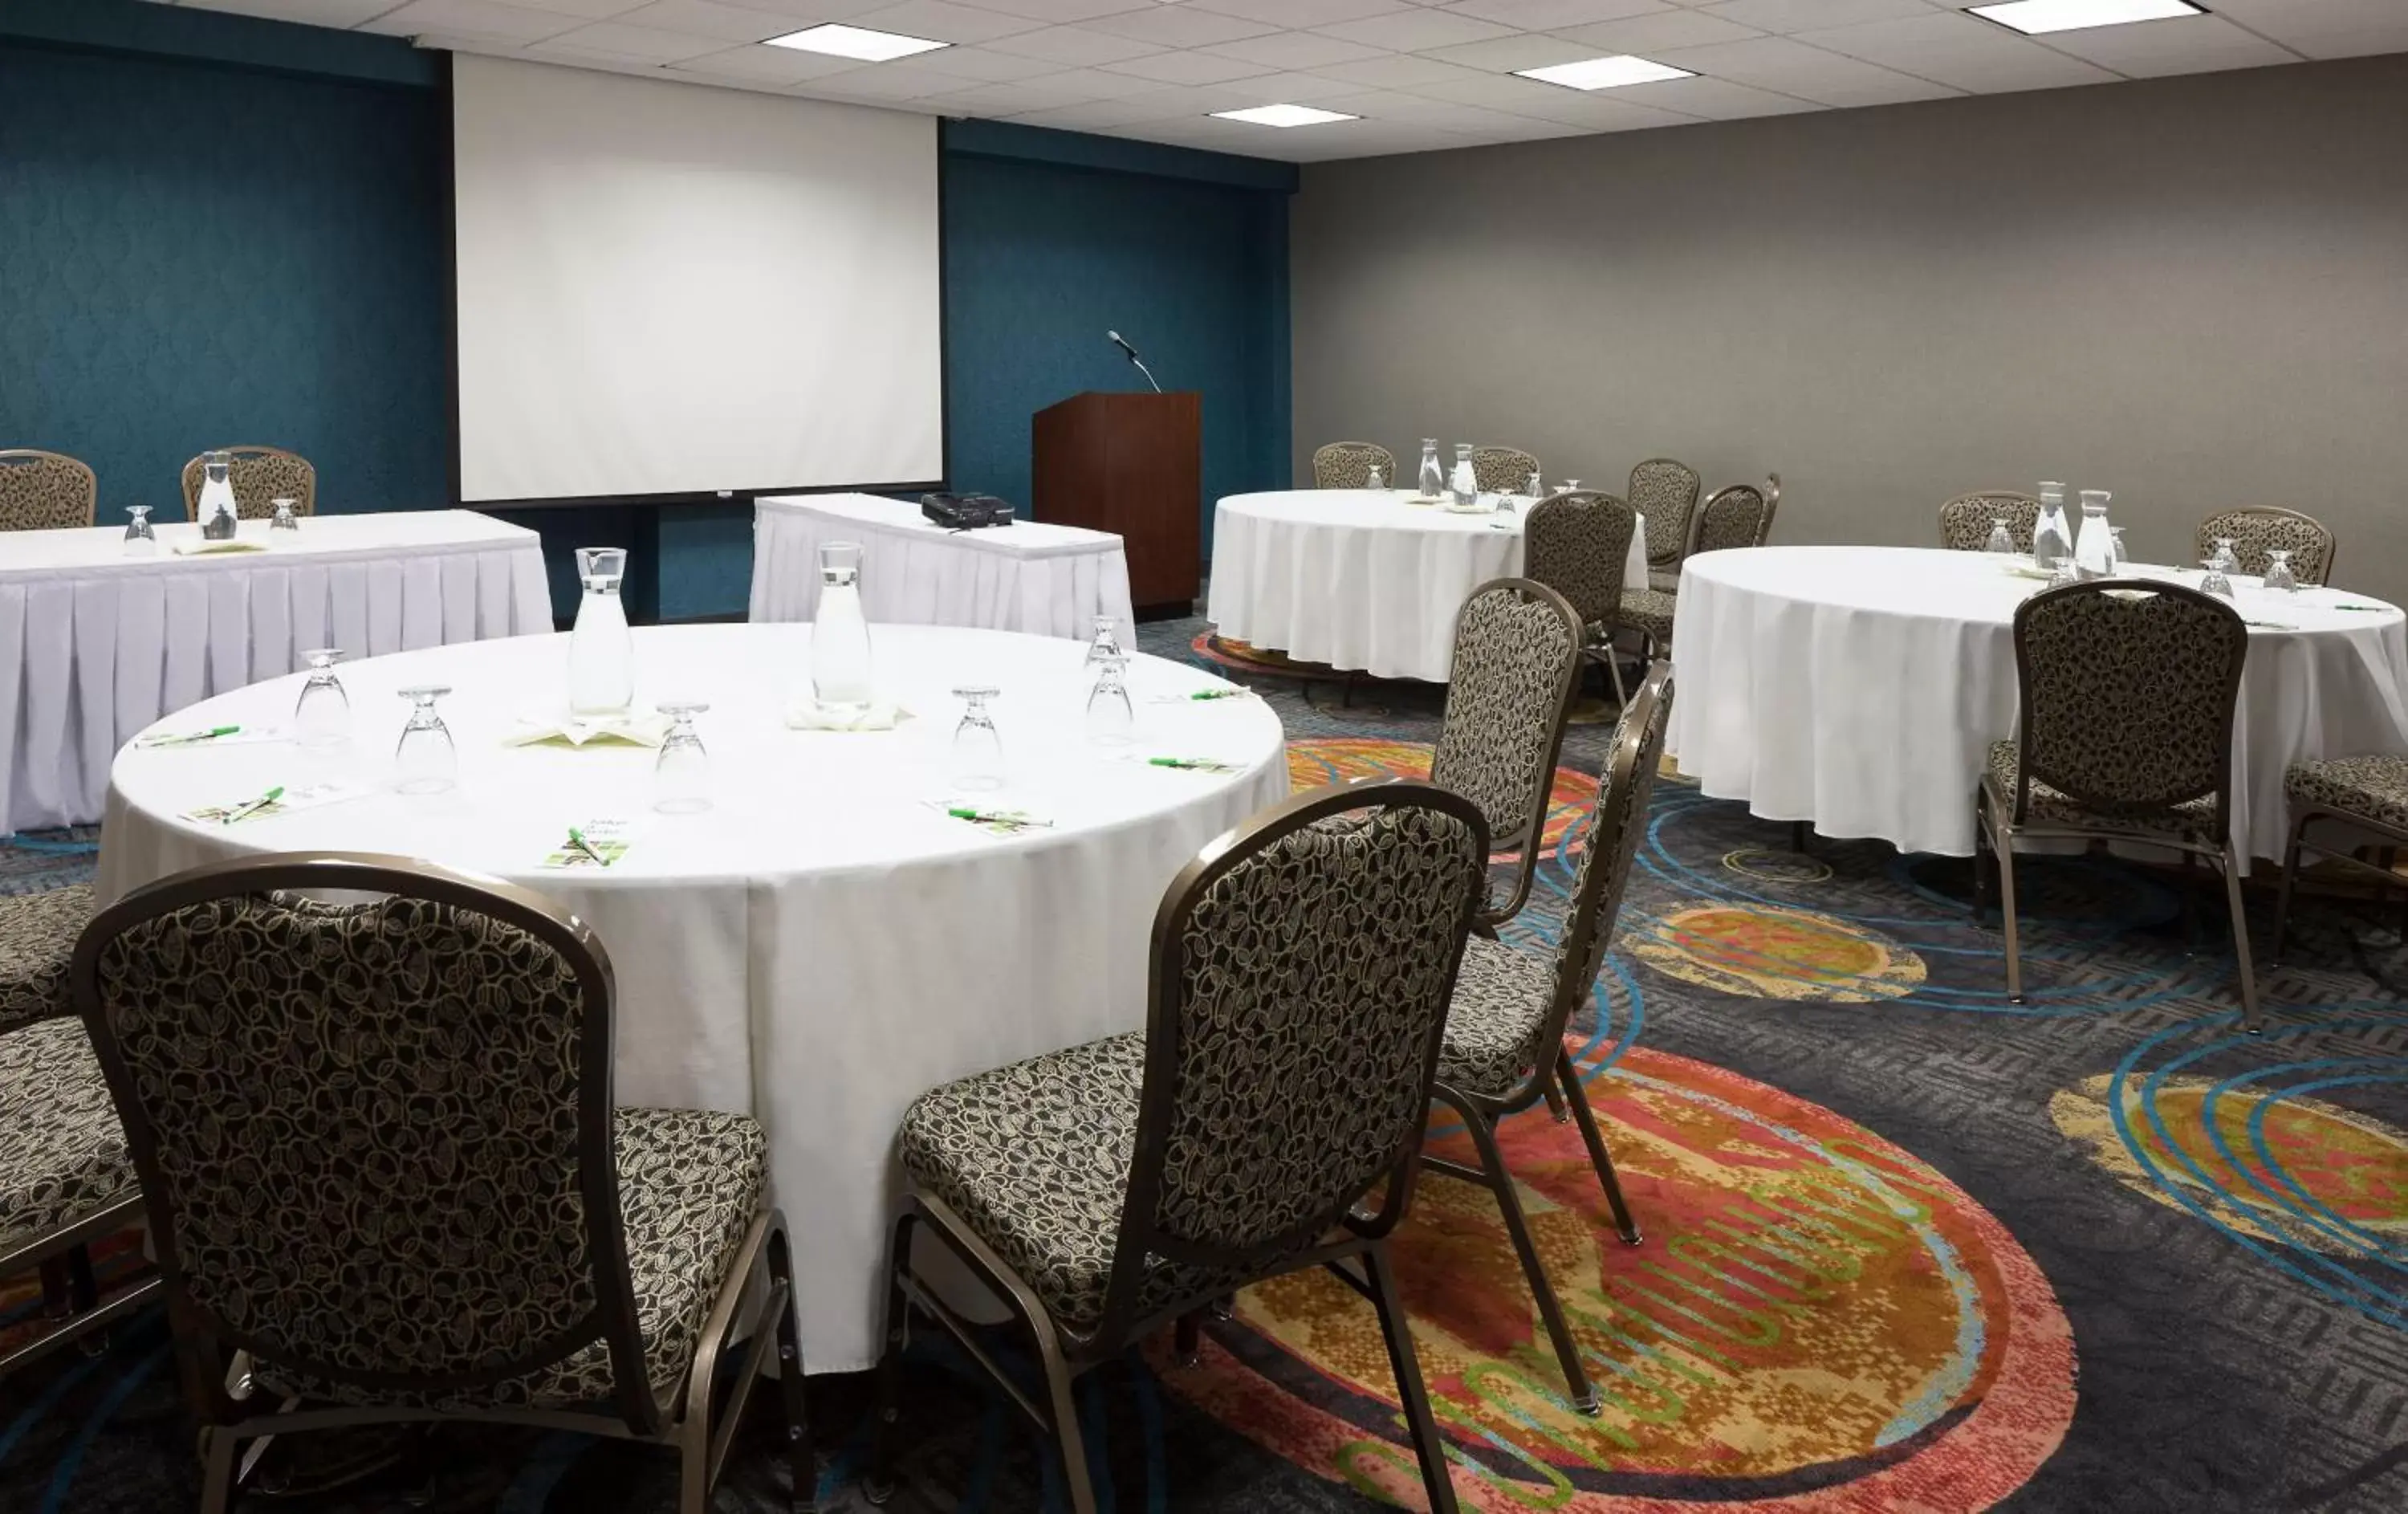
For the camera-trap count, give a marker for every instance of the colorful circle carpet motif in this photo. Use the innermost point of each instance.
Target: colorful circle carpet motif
(1243, 657)
(1762, 951)
(1331, 759)
(1815, 1320)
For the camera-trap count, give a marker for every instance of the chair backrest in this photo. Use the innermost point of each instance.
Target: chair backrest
(1738, 516)
(1517, 658)
(45, 491)
(1577, 544)
(1965, 521)
(1665, 490)
(1598, 879)
(1302, 968)
(1502, 469)
(1347, 465)
(2266, 529)
(374, 1138)
(2127, 689)
(259, 476)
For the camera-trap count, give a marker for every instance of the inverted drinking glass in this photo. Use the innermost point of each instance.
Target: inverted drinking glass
(1111, 721)
(841, 678)
(284, 520)
(426, 761)
(2226, 558)
(2279, 574)
(978, 750)
(1372, 480)
(140, 540)
(2123, 555)
(1106, 647)
(681, 774)
(322, 717)
(2002, 540)
(2214, 580)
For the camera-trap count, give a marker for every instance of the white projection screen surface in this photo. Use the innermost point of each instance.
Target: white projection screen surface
(667, 288)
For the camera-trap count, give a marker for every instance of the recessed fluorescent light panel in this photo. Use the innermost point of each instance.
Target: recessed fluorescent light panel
(855, 42)
(1284, 115)
(2034, 17)
(1604, 73)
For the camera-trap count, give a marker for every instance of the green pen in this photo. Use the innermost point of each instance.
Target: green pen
(189, 737)
(993, 817)
(576, 843)
(1190, 764)
(1218, 694)
(2370, 609)
(245, 811)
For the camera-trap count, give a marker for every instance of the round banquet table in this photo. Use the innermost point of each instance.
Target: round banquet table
(1859, 688)
(819, 947)
(1360, 579)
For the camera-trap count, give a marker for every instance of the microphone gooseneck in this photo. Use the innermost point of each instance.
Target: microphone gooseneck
(1122, 342)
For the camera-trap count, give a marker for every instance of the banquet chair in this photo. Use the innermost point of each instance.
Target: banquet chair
(1347, 465)
(2126, 689)
(386, 1177)
(2268, 528)
(259, 476)
(1269, 1118)
(1504, 1052)
(1502, 469)
(1965, 521)
(2369, 794)
(1576, 543)
(1664, 491)
(1739, 516)
(45, 491)
(66, 1178)
(1518, 649)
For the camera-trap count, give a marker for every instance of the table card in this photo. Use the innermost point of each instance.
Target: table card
(277, 799)
(211, 736)
(596, 844)
(1185, 764)
(810, 715)
(994, 822)
(1205, 696)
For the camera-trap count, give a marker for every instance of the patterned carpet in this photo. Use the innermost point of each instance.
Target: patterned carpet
(1908, 1245)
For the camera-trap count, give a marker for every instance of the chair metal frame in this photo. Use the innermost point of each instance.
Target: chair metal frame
(195, 471)
(1998, 818)
(1588, 933)
(9, 455)
(2300, 819)
(218, 1381)
(1524, 843)
(64, 1258)
(2204, 543)
(1597, 636)
(1065, 1355)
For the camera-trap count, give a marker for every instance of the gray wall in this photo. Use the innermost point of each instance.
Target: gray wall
(2193, 292)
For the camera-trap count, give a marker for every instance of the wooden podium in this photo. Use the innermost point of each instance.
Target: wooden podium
(1131, 463)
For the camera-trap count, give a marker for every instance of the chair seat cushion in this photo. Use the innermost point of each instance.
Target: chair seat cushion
(2195, 816)
(1649, 611)
(1502, 997)
(62, 1156)
(689, 1185)
(38, 935)
(1664, 580)
(2363, 788)
(1035, 1159)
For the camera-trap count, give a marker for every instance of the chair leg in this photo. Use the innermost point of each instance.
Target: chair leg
(1554, 1101)
(2283, 896)
(1428, 1446)
(879, 1485)
(1613, 672)
(1798, 830)
(217, 1470)
(2190, 902)
(1568, 1075)
(2003, 841)
(2249, 1015)
(1067, 1437)
(1500, 1184)
(1985, 882)
(799, 1465)
(1187, 1338)
(694, 1465)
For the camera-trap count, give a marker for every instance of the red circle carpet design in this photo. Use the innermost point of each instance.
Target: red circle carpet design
(1244, 656)
(1815, 1320)
(1331, 759)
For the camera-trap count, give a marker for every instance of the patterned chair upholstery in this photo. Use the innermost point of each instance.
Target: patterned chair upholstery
(1347, 465)
(2366, 796)
(1503, 1049)
(1502, 469)
(2125, 729)
(1518, 646)
(1739, 516)
(1649, 612)
(45, 491)
(259, 476)
(1965, 521)
(1664, 491)
(1303, 968)
(38, 935)
(2259, 532)
(513, 1243)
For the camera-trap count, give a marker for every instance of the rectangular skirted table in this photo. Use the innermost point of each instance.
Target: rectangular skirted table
(94, 644)
(1028, 576)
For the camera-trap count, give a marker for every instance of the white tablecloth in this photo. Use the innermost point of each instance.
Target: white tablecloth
(820, 948)
(1030, 576)
(1861, 688)
(1360, 579)
(95, 645)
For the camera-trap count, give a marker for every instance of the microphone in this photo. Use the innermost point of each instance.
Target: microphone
(1122, 342)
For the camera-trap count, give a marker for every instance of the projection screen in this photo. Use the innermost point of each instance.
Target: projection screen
(667, 288)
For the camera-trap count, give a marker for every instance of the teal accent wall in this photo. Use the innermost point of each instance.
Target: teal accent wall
(195, 254)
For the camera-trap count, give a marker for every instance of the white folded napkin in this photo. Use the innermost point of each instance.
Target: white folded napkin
(809, 716)
(644, 728)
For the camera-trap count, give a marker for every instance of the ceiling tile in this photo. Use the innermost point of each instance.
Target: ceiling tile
(940, 22)
(617, 39)
(2325, 28)
(1300, 13)
(1095, 84)
(1672, 29)
(311, 12)
(1093, 115)
(474, 17)
(704, 17)
(590, 9)
(1187, 68)
(1509, 54)
(1010, 99)
(1959, 51)
(2186, 45)
(1397, 71)
(882, 81)
(1790, 67)
(1073, 46)
(1715, 99)
(1181, 26)
(808, 13)
(1061, 10)
(1809, 15)
(1548, 15)
(1302, 88)
(764, 66)
(1296, 50)
(1415, 31)
(983, 65)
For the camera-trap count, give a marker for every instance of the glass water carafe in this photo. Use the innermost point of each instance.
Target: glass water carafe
(2094, 544)
(1465, 485)
(601, 652)
(1433, 478)
(840, 683)
(2052, 536)
(216, 506)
